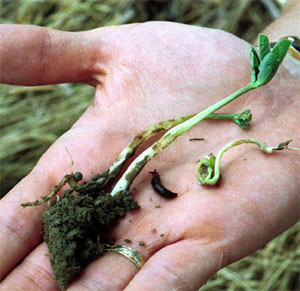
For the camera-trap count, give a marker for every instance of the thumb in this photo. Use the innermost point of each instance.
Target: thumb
(32, 55)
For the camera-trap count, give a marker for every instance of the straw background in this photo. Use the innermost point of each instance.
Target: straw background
(31, 118)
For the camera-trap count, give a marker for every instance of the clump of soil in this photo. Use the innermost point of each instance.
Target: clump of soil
(76, 229)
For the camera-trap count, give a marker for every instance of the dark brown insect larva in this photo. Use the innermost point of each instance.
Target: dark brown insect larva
(159, 188)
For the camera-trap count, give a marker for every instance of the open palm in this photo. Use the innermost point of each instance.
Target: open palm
(146, 73)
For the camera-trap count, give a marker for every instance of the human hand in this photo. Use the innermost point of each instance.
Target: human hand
(145, 73)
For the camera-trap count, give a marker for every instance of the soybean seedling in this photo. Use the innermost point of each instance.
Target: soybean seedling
(208, 170)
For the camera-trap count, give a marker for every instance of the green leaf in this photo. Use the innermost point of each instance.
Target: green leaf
(254, 63)
(267, 69)
(253, 57)
(271, 62)
(281, 49)
(263, 45)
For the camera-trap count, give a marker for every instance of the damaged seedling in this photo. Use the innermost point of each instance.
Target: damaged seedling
(77, 226)
(208, 170)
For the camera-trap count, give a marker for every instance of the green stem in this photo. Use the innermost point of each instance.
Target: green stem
(221, 116)
(138, 164)
(241, 119)
(182, 128)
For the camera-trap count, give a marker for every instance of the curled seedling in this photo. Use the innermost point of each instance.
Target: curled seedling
(208, 170)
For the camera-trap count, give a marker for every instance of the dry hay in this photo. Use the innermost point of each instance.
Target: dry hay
(33, 117)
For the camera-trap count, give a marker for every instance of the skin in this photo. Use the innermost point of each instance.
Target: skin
(145, 73)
